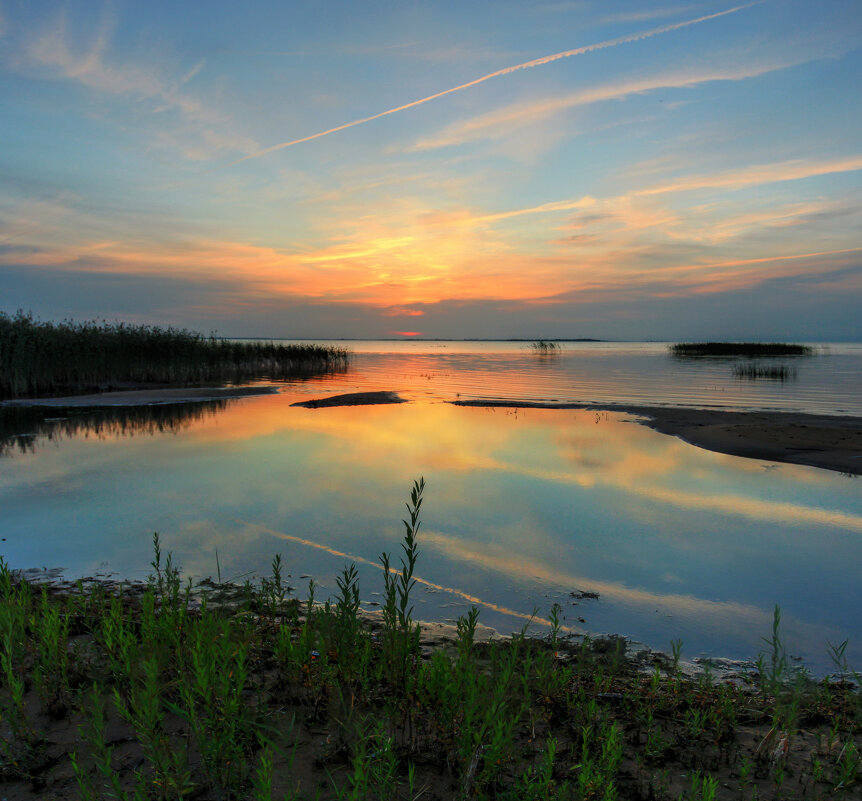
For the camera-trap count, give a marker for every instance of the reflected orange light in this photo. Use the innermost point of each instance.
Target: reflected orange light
(559, 446)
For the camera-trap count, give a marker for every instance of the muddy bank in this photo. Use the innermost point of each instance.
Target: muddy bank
(832, 443)
(300, 704)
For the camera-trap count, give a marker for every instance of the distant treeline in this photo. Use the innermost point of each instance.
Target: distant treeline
(39, 358)
(746, 349)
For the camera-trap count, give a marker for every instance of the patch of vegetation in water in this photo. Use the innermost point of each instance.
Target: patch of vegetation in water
(44, 358)
(252, 693)
(745, 349)
(546, 347)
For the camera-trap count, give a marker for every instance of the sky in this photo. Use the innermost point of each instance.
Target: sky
(616, 170)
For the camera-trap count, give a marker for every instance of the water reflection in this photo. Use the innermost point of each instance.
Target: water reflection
(522, 508)
(23, 429)
(611, 373)
(756, 371)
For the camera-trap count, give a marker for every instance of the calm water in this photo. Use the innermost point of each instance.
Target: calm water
(522, 507)
(829, 382)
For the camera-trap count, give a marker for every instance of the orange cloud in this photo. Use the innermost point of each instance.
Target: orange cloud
(400, 311)
(410, 252)
(793, 170)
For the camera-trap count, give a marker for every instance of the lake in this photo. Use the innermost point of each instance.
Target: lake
(523, 507)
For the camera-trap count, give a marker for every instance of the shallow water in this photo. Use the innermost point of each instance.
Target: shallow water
(522, 507)
(621, 373)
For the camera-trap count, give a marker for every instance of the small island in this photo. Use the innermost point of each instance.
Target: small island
(749, 350)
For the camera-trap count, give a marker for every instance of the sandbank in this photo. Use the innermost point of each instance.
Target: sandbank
(143, 397)
(352, 399)
(829, 442)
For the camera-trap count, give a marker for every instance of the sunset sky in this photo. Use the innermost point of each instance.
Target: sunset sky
(622, 170)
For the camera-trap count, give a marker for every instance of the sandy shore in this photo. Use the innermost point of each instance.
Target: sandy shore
(833, 443)
(144, 397)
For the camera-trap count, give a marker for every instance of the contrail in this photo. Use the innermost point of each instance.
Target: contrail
(537, 62)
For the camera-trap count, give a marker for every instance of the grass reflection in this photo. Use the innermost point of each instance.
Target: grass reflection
(23, 428)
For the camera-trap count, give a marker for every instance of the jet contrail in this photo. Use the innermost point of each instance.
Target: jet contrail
(537, 62)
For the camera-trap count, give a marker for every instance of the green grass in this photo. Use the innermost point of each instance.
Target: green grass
(747, 349)
(43, 358)
(226, 692)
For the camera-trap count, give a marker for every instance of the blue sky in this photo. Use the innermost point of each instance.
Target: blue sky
(604, 169)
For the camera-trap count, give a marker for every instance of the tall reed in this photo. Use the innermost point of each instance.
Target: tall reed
(45, 358)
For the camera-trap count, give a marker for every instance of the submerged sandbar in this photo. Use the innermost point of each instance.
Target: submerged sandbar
(353, 399)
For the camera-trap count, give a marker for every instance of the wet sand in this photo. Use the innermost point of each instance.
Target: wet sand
(832, 443)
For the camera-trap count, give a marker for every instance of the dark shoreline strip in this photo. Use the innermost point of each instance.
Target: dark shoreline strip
(142, 397)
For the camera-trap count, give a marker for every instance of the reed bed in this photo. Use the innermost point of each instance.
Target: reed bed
(247, 692)
(734, 349)
(43, 358)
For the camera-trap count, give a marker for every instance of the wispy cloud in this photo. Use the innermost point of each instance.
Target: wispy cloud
(54, 52)
(52, 49)
(537, 62)
(791, 170)
(544, 208)
(643, 16)
(502, 121)
(722, 225)
(621, 211)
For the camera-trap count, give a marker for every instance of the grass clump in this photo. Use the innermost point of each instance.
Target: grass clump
(158, 691)
(43, 358)
(745, 349)
(545, 347)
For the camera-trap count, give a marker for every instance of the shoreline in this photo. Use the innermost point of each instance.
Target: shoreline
(830, 442)
(653, 729)
(435, 635)
(158, 396)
